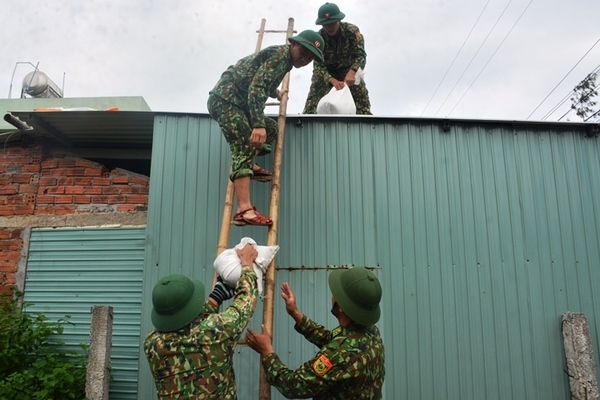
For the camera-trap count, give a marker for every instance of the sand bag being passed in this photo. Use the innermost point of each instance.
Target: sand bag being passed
(229, 268)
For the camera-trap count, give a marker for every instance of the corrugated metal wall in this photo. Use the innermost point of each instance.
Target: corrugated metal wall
(71, 270)
(483, 235)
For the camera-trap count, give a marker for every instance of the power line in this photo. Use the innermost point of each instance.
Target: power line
(473, 58)
(564, 99)
(571, 70)
(492, 56)
(455, 57)
(579, 102)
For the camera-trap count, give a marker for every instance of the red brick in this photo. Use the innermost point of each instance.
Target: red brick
(126, 208)
(28, 188)
(24, 209)
(6, 266)
(9, 189)
(66, 163)
(55, 190)
(10, 245)
(101, 181)
(1, 167)
(100, 199)
(7, 210)
(117, 200)
(82, 199)
(137, 199)
(93, 190)
(32, 168)
(16, 199)
(10, 234)
(74, 190)
(84, 163)
(82, 181)
(64, 181)
(63, 199)
(6, 289)
(48, 181)
(4, 180)
(48, 164)
(139, 181)
(111, 190)
(64, 210)
(93, 172)
(43, 199)
(3, 200)
(20, 178)
(119, 180)
(76, 172)
(13, 255)
(44, 210)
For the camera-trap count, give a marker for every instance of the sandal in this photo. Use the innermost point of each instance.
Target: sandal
(262, 175)
(259, 220)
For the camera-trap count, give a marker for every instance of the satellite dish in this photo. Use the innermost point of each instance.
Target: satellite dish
(37, 84)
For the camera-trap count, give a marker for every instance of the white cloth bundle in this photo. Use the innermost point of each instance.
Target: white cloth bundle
(337, 102)
(229, 268)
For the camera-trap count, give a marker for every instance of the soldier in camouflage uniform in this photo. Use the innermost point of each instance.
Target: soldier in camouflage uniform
(190, 351)
(237, 103)
(350, 362)
(344, 54)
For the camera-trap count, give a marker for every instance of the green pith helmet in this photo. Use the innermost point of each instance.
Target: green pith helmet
(176, 301)
(358, 293)
(311, 41)
(329, 13)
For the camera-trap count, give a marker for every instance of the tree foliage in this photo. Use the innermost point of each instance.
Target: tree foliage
(32, 363)
(583, 97)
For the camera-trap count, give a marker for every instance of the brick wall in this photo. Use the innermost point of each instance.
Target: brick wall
(33, 183)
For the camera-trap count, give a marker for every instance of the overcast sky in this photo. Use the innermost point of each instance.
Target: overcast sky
(496, 59)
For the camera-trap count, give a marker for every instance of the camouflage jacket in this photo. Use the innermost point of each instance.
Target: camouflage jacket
(349, 365)
(253, 79)
(341, 53)
(195, 362)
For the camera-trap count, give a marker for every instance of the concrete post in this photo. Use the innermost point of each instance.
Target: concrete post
(98, 368)
(580, 356)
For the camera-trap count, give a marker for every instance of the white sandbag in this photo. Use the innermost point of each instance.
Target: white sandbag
(337, 102)
(228, 266)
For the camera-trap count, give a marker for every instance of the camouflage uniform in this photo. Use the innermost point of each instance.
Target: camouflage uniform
(349, 365)
(238, 100)
(195, 362)
(343, 52)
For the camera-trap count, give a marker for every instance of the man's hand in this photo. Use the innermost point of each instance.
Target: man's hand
(258, 137)
(260, 342)
(281, 93)
(247, 254)
(350, 77)
(339, 85)
(290, 302)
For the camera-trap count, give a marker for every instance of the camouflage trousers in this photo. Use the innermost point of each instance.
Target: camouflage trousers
(318, 90)
(235, 126)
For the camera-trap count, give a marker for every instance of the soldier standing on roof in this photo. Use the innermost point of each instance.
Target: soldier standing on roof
(350, 362)
(237, 103)
(343, 55)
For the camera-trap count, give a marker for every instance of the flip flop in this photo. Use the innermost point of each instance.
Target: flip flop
(259, 220)
(261, 175)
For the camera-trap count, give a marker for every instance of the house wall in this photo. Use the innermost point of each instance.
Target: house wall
(52, 188)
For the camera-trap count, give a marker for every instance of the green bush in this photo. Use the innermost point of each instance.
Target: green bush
(32, 363)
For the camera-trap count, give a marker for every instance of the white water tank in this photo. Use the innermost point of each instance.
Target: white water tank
(37, 84)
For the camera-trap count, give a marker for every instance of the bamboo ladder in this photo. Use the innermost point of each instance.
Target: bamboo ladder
(269, 277)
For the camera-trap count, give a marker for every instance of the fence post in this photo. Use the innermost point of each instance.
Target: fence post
(98, 368)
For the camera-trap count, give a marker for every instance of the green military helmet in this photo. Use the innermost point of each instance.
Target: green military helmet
(329, 13)
(311, 41)
(176, 301)
(358, 293)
